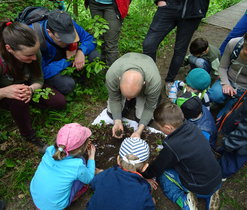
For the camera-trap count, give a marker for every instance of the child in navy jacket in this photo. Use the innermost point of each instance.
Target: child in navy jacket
(186, 165)
(123, 187)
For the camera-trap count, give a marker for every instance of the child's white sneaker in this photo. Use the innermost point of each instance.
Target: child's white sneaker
(214, 202)
(189, 202)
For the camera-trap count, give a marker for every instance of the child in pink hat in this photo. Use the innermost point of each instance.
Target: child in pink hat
(63, 173)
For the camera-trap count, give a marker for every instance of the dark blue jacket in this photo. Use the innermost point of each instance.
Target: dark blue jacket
(188, 152)
(207, 124)
(115, 188)
(54, 58)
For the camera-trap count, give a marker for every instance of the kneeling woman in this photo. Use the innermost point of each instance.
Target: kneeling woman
(21, 74)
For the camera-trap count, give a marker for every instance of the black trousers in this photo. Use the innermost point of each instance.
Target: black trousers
(165, 19)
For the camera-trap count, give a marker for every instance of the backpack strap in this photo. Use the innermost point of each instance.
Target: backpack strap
(236, 105)
(39, 30)
(237, 49)
(23, 15)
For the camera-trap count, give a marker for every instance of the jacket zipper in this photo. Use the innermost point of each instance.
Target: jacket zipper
(184, 8)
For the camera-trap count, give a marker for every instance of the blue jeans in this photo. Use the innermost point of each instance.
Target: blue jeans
(216, 95)
(172, 187)
(164, 21)
(231, 162)
(239, 30)
(196, 62)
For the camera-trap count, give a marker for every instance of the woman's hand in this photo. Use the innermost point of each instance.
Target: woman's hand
(27, 94)
(18, 92)
(229, 90)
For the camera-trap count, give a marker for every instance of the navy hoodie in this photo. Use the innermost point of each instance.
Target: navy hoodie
(189, 153)
(115, 188)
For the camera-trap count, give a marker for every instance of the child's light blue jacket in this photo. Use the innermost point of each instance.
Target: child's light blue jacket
(51, 185)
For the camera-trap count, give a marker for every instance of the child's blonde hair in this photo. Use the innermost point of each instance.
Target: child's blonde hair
(130, 167)
(169, 114)
(71, 140)
(61, 154)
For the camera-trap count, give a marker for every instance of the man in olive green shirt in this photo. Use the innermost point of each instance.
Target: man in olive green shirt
(133, 75)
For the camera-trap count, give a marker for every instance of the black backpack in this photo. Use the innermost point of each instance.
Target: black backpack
(226, 123)
(32, 15)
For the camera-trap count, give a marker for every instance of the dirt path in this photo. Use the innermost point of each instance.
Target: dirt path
(215, 36)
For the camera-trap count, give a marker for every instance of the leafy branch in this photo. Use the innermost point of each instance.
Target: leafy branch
(42, 93)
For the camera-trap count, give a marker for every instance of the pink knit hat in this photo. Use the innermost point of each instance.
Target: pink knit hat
(72, 136)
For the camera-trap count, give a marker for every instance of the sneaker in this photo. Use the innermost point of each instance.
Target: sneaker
(168, 87)
(189, 202)
(213, 203)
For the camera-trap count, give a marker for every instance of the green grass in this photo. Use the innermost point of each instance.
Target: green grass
(218, 5)
(229, 202)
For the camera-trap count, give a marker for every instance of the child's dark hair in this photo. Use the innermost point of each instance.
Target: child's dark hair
(59, 155)
(137, 167)
(169, 114)
(198, 46)
(16, 35)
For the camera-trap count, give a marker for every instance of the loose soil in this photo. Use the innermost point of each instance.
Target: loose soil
(108, 146)
(233, 192)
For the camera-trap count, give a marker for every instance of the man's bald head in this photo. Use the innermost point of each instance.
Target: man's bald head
(131, 83)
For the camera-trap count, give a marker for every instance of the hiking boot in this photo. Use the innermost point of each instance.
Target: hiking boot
(213, 203)
(189, 202)
(168, 86)
(36, 141)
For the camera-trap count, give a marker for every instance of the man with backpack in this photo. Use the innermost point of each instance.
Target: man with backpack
(233, 74)
(61, 39)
